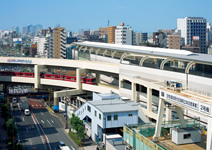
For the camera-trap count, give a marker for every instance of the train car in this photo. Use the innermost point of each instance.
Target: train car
(91, 80)
(26, 74)
(69, 78)
(53, 76)
(8, 73)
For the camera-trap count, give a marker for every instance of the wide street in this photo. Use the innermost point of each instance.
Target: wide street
(40, 130)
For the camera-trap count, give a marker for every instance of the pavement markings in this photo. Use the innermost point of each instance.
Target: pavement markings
(52, 121)
(72, 147)
(49, 122)
(23, 118)
(41, 113)
(30, 141)
(42, 121)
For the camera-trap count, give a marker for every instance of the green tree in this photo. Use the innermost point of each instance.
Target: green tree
(18, 46)
(11, 129)
(80, 132)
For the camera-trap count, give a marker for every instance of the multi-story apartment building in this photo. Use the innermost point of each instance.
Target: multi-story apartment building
(111, 34)
(193, 26)
(124, 35)
(140, 37)
(59, 43)
(173, 41)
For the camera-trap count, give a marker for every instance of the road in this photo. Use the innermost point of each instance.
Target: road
(31, 136)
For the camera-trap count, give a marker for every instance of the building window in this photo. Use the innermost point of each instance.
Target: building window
(187, 136)
(115, 117)
(89, 108)
(100, 116)
(95, 113)
(109, 118)
(129, 115)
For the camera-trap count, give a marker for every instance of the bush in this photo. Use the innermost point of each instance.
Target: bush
(75, 138)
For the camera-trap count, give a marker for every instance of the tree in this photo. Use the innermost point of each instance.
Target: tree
(11, 129)
(18, 46)
(81, 132)
(77, 125)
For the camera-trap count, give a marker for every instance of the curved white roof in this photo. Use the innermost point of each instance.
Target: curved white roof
(137, 48)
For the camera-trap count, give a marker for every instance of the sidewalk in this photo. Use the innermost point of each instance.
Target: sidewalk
(3, 137)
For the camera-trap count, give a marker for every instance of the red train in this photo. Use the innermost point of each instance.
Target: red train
(87, 80)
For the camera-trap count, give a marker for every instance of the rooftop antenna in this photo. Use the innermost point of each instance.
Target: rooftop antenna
(108, 23)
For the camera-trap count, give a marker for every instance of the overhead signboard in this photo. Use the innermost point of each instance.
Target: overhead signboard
(186, 102)
(19, 61)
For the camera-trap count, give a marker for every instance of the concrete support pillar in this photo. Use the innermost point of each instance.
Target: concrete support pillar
(120, 83)
(97, 78)
(79, 84)
(181, 116)
(209, 134)
(56, 103)
(149, 99)
(168, 114)
(37, 75)
(159, 120)
(133, 90)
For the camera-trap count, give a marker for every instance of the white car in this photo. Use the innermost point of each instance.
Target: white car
(26, 112)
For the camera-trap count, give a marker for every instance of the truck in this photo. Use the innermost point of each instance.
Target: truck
(24, 104)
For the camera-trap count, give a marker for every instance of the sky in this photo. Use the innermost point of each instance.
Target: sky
(141, 15)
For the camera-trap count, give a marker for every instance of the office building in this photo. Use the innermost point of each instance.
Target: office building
(59, 41)
(193, 26)
(173, 41)
(111, 34)
(124, 35)
(140, 37)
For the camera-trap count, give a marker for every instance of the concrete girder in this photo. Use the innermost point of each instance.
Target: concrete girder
(86, 48)
(189, 66)
(80, 48)
(105, 52)
(113, 54)
(97, 51)
(91, 50)
(164, 62)
(142, 60)
(124, 55)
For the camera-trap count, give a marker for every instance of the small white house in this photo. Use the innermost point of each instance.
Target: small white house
(186, 135)
(102, 115)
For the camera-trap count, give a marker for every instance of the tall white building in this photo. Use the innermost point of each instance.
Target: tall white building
(140, 37)
(40, 42)
(193, 26)
(124, 35)
(49, 45)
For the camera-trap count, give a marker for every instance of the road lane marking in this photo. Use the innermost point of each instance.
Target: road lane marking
(27, 129)
(42, 138)
(30, 141)
(41, 113)
(23, 118)
(49, 122)
(72, 147)
(52, 121)
(42, 121)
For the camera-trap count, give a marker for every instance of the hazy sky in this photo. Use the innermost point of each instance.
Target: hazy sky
(141, 15)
